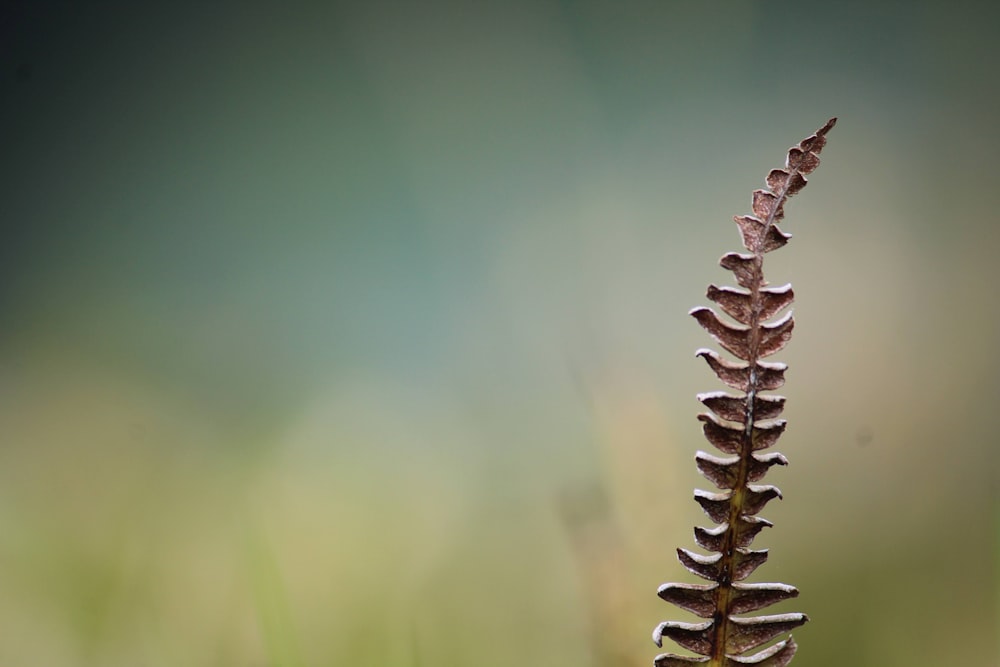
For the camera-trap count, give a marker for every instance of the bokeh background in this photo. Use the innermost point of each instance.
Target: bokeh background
(356, 333)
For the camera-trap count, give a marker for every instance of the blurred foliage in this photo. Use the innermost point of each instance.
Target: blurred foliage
(356, 334)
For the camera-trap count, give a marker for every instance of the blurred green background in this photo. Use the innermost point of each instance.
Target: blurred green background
(356, 333)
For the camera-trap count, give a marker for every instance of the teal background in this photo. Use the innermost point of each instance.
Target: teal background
(356, 334)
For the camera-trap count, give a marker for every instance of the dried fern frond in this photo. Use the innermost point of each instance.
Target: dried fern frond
(741, 426)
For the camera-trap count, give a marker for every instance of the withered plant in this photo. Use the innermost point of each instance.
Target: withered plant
(742, 426)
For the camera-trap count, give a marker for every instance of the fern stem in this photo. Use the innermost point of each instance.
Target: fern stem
(723, 601)
(728, 634)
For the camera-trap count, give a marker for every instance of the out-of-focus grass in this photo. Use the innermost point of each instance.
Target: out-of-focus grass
(128, 541)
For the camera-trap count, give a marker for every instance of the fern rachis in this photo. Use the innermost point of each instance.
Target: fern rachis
(742, 426)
